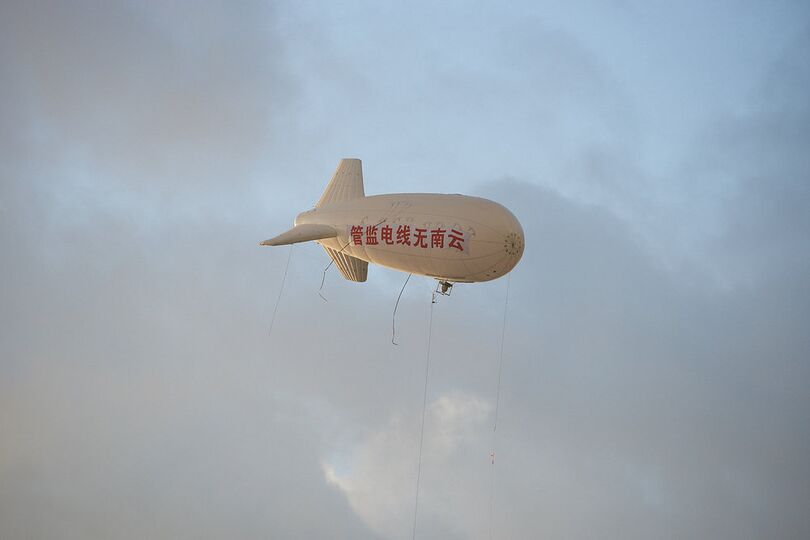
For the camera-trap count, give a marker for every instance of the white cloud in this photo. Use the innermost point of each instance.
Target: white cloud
(379, 475)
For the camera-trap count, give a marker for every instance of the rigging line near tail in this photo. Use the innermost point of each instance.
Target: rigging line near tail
(328, 266)
(497, 405)
(422, 429)
(323, 280)
(281, 290)
(394, 315)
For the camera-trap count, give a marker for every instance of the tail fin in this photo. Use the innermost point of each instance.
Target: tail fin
(346, 183)
(351, 268)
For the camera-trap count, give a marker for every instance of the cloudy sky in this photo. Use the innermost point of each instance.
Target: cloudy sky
(657, 347)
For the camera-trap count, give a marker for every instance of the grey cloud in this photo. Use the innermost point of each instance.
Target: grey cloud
(146, 99)
(632, 400)
(701, 387)
(140, 394)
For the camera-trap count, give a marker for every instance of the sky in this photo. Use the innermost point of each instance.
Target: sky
(656, 353)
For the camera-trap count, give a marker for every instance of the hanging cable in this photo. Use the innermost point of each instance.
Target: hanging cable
(491, 494)
(323, 280)
(422, 429)
(328, 266)
(500, 359)
(394, 315)
(497, 406)
(281, 290)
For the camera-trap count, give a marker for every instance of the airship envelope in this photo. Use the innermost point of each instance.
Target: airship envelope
(453, 238)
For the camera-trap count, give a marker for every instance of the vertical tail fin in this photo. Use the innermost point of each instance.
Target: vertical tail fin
(346, 183)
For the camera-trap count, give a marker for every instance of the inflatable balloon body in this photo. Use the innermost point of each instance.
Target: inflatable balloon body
(453, 238)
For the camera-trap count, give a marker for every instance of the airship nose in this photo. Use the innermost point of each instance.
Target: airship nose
(513, 244)
(513, 241)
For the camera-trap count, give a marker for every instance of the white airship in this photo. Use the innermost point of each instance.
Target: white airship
(453, 238)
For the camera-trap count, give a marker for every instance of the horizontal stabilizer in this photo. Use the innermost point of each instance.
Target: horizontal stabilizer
(351, 268)
(302, 233)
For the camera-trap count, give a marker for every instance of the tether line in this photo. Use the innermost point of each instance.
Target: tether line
(500, 360)
(422, 429)
(497, 406)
